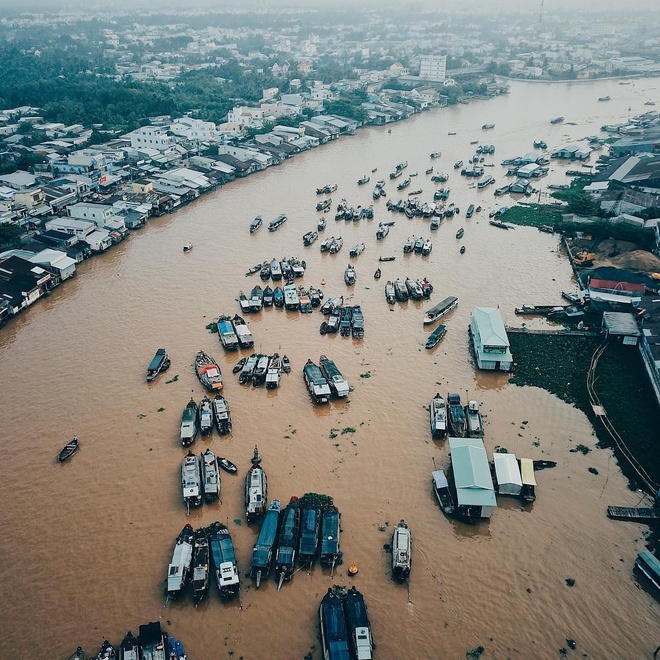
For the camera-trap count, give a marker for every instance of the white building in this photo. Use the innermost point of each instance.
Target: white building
(195, 129)
(153, 137)
(433, 67)
(243, 116)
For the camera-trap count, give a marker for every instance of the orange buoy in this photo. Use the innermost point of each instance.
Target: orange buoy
(353, 569)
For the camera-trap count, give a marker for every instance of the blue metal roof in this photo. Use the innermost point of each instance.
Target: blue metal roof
(474, 485)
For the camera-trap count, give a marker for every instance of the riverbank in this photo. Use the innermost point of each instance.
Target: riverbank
(621, 384)
(563, 81)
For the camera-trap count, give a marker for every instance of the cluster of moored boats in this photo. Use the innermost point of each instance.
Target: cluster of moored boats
(289, 296)
(348, 320)
(353, 213)
(152, 643)
(451, 417)
(259, 369)
(345, 627)
(200, 477)
(418, 245)
(279, 269)
(324, 380)
(402, 290)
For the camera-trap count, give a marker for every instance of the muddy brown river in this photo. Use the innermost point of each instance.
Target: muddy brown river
(85, 545)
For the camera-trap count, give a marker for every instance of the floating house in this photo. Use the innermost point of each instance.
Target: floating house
(475, 493)
(489, 340)
(507, 474)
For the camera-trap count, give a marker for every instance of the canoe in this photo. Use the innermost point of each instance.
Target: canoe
(69, 450)
(227, 465)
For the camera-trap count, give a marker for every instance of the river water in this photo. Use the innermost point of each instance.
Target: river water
(85, 545)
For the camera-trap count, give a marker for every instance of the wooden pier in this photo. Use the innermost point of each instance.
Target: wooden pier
(634, 514)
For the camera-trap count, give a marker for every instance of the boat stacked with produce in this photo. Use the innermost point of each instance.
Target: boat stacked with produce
(208, 371)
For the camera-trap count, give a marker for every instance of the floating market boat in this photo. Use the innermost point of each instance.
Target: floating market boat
(200, 566)
(317, 385)
(390, 294)
(438, 416)
(414, 289)
(262, 553)
(227, 333)
(358, 625)
(177, 652)
(245, 376)
(210, 477)
(350, 275)
(475, 426)
(401, 551)
(436, 336)
(400, 291)
(442, 492)
(441, 309)
(256, 300)
(260, 370)
(334, 632)
(457, 420)
(357, 324)
(277, 222)
(287, 545)
(460, 232)
(189, 426)
(160, 362)
(191, 480)
(179, 567)
(221, 414)
(129, 649)
(69, 449)
(310, 523)
(338, 384)
(106, 652)
(153, 642)
(205, 416)
(208, 372)
(268, 297)
(225, 567)
(227, 465)
(330, 530)
(274, 372)
(278, 297)
(243, 332)
(310, 237)
(255, 224)
(256, 489)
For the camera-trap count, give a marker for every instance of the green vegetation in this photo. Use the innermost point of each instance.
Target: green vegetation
(533, 215)
(580, 448)
(475, 653)
(560, 365)
(9, 237)
(593, 470)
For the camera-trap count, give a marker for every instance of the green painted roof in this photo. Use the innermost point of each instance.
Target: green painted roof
(474, 485)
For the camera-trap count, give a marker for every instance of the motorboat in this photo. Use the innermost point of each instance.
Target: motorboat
(310, 524)
(221, 414)
(189, 427)
(287, 544)
(475, 426)
(201, 562)
(438, 416)
(330, 531)
(256, 489)
(191, 480)
(350, 275)
(255, 224)
(210, 477)
(338, 384)
(224, 563)
(436, 336)
(205, 414)
(441, 309)
(401, 551)
(262, 553)
(208, 371)
(69, 449)
(160, 362)
(179, 567)
(457, 420)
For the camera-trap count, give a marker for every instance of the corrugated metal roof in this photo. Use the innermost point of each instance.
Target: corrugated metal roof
(474, 485)
(621, 323)
(491, 327)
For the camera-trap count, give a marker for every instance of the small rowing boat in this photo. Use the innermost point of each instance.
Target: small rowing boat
(69, 449)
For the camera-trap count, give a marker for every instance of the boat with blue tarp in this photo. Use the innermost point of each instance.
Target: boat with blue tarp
(262, 553)
(287, 545)
(224, 561)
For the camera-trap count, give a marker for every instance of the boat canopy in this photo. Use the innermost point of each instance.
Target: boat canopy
(507, 474)
(439, 480)
(527, 471)
(330, 538)
(474, 485)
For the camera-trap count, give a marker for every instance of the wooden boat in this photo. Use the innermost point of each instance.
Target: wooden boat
(334, 631)
(256, 489)
(377, 274)
(649, 566)
(274, 372)
(401, 551)
(438, 416)
(435, 154)
(227, 465)
(264, 273)
(268, 297)
(205, 413)
(357, 323)
(390, 294)
(310, 237)
(106, 652)
(177, 652)
(400, 291)
(462, 250)
(542, 465)
(356, 250)
(475, 425)
(419, 245)
(223, 557)
(386, 258)
(528, 492)
(499, 224)
(262, 553)
(255, 224)
(321, 224)
(160, 362)
(382, 231)
(260, 370)
(210, 477)
(153, 642)
(330, 531)
(246, 372)
(179, 567)
(350, 275)
(358, 625)
(441, 309)
(191, 480)
(278, 297)
(287, 543)
(252, 270)
(286, 364)
(317, 386)
(414, 289)
(256, 300)
(315, 296)
(189, 426)
(69, 449)
(277, 222)
(460, 232)
(442, 492)
(338, 384)
(557, 120)
(336, 245)
(78, 654)
(487, 127)
(227, 333)
(436, 336)
(129, 649)
(243, 333)
(458, 164)
(363, 180)
(457, 420)
(187, 247)
(208, 371)
(200, 566)
(310, 523)
(239, 365)
(221, 414)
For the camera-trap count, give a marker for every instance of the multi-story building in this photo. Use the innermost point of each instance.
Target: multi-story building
(433, 67)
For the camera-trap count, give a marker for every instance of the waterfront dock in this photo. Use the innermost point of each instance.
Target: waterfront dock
(633, 514)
